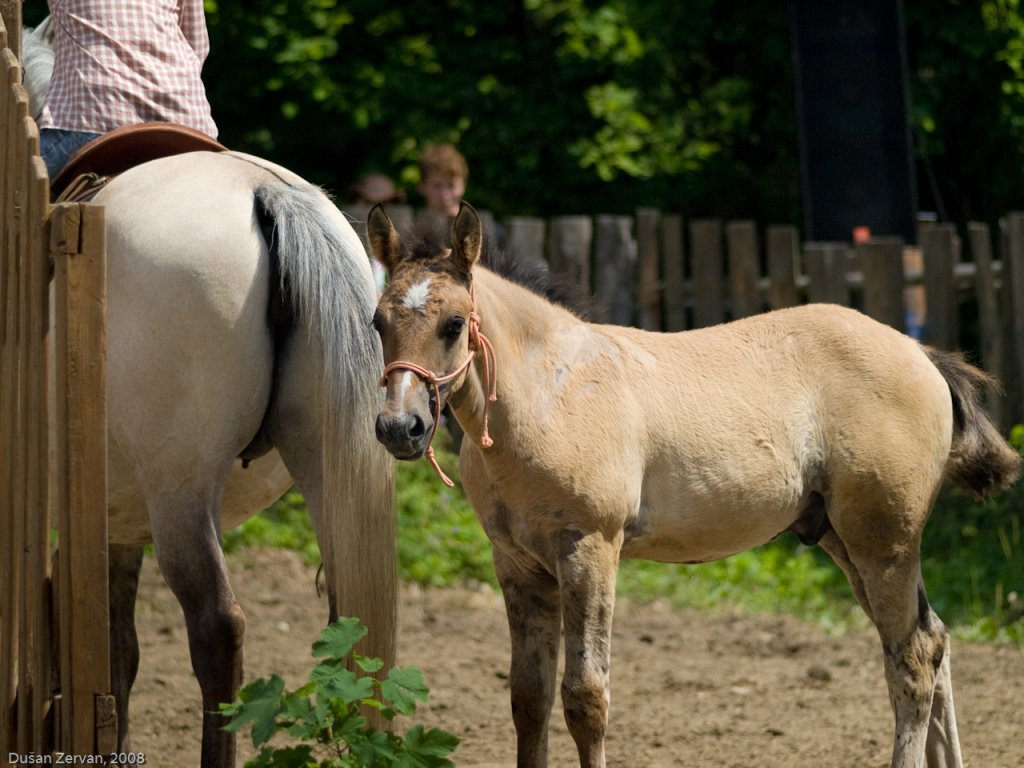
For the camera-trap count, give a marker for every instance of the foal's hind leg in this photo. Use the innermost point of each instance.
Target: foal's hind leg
(125, 563)
(191, 560)
(916, 650)
(534, 620)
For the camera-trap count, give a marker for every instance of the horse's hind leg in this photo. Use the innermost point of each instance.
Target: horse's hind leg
(125, 564)
(534, 619)
(916, 650)
(188, 551)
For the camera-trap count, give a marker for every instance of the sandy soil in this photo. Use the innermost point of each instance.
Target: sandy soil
(687, 688)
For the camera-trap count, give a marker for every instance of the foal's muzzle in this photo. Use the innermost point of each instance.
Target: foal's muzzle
(406, 435)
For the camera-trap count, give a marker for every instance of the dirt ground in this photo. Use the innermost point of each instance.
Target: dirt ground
(687, 689)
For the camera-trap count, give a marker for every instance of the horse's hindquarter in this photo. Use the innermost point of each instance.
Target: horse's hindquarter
(189, 350)
(747, 422)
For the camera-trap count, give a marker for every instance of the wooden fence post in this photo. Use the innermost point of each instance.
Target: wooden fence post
(569, 243)
(615, 260)
(706, 271)
(1013, 307)
(827, 266)
(783, 266)
(77, 243)
(939, 249)
(992, 354)
(744, 265)
(524, 239)
(648, 222)
(881, 262)
(673, 295)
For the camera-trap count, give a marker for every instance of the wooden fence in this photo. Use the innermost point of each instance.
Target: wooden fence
(54, 646)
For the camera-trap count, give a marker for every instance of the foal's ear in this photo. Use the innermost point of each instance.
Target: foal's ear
(385, 245)
(467, 237)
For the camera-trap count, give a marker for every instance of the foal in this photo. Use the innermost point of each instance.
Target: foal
(590, 443)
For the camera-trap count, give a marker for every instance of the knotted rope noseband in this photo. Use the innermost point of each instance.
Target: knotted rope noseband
(477, 343)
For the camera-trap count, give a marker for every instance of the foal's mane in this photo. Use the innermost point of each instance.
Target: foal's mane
(425, 242)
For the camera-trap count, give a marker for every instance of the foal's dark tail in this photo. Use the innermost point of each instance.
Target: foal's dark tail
(981, 460)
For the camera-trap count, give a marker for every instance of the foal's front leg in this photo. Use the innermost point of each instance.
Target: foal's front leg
(531, 600)
(587, 566)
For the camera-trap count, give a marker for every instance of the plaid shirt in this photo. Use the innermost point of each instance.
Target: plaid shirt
(120, 62)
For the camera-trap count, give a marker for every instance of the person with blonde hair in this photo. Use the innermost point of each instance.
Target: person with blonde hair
(443, 177)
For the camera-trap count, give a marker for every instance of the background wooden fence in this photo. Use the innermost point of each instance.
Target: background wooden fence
(657, 271)
(654, 271)
(54, 647)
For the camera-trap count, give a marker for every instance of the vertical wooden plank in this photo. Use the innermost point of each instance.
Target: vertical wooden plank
(78, 246)
(1013, 282)
(783, 266)
(615, 267)
(524, 239)
(34, 657)
(706, 272)
(673, 254)
(648, 240)
(9, 399)
(10, 11)
(22, 460)
(990, 327)
(881, 262)
(828, 265)
(744, 267)
(569, 243)
(939, 250)
(1014, 412)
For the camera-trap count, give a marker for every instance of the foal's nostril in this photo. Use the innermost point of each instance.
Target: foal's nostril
(417, 429)
(381, 428)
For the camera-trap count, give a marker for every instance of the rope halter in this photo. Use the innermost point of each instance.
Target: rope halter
(477, 343)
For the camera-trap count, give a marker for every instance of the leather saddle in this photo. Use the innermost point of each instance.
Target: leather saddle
(123, 148)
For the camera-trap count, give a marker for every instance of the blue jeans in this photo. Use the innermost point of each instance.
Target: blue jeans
(56, 147)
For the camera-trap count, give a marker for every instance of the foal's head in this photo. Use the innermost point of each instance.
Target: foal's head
(423, 319)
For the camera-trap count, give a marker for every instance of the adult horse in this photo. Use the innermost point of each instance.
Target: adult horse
(589, 443)
(239, 360)
(239, 303)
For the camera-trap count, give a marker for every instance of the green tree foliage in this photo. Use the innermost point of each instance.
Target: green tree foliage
(967, 89)
(559, 106)
(598, 105)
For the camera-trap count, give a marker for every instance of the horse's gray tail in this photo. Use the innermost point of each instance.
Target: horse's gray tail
(981, 459)
(326, 277)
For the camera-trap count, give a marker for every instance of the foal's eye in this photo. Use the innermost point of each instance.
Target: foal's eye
(453, 327)
(378, 321)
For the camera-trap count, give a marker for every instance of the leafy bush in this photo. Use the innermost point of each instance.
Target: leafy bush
(326, 714)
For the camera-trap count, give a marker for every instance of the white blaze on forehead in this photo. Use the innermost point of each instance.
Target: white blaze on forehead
(416, 297)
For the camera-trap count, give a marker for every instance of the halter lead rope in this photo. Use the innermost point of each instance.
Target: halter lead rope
(477, 343)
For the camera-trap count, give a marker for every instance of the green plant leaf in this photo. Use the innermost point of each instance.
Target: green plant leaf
(378, 748)
(403, 688)
(429, 747)
(259, 705)
(339, 638)
(340, 683)
(284, 757)
(369, 665)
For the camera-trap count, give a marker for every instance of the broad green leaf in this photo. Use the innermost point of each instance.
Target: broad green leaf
(341, 683)
(429, 747)
(339, 638)
(378, 748)
(403, 688)
(260, 703)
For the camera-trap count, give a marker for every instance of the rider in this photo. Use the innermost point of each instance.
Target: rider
(121, 62)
